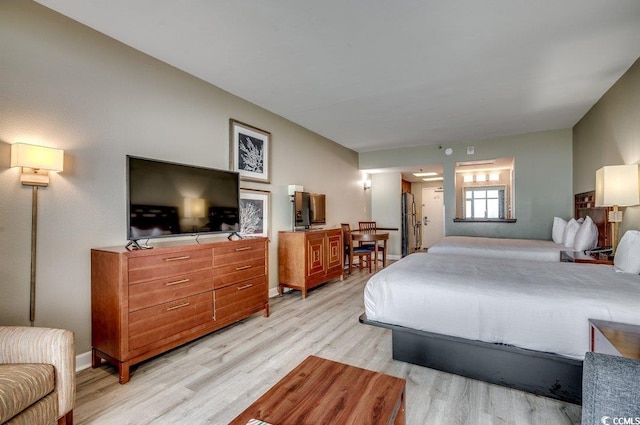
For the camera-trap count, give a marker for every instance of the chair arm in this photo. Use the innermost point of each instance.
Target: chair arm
(20, 344)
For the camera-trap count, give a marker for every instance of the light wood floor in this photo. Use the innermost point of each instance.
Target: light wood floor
(213, 379)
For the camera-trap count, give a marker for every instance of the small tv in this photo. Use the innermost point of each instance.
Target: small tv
(166, 199)
(309, 209)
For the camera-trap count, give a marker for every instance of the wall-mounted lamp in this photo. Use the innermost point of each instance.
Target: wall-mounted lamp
(617, 186)
(293, 188)
(366, 184)
(36, 162)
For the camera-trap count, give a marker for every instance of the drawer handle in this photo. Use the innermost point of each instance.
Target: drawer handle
(243, 267)
(184, 257)
(244, 248)
(240, 288)
(177, 282)
(175, 307)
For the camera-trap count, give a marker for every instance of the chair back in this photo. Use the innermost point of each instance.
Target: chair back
(346, 233)
(367, 226)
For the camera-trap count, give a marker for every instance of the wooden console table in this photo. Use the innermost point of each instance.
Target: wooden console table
(320, 391)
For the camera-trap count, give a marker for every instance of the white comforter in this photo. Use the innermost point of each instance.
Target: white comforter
(536, 305)
(522, 249)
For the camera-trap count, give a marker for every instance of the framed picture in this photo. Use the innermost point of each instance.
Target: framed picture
(254, 212)
(249, 149)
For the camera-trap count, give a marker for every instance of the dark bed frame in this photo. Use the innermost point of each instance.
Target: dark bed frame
(532, 371)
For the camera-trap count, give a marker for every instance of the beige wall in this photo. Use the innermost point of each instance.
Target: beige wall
(66, 86)
(609, 134)
(543, 179)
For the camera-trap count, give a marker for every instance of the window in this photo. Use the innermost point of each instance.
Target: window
(484, 202)
(485, 190)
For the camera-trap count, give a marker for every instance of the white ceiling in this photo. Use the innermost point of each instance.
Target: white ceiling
(375, 74)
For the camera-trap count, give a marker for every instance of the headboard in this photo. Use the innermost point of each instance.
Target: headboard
(585, 205)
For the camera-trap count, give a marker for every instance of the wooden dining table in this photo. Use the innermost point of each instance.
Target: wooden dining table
(372, 236)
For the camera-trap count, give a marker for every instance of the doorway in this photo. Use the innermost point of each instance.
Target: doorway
(432, 216)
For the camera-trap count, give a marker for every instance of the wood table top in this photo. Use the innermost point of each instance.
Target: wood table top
(624, 337)
(367, 235)
(320, 391)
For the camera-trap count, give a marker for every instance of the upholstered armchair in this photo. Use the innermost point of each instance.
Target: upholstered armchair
(610, 390)
(37, 375)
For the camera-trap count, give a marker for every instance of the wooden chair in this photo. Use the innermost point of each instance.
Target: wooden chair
(371, 226)
(362, 252)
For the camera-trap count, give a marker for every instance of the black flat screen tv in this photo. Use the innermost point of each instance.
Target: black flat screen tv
(309, 209)
(167, 199)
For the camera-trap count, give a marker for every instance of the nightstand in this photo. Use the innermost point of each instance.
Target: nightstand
(618, 339)
(581, 257)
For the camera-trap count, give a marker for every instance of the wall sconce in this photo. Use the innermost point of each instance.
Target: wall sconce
(366, 184)
(293, 188)
(36, 162)
(617, 186)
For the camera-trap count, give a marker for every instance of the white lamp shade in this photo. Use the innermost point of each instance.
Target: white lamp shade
(618, 185)
(38, 157)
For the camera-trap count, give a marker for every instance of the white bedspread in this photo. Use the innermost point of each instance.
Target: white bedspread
(520, 249)
(537, 305)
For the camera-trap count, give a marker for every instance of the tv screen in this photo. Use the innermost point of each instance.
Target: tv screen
(168, 199)
(310, 209)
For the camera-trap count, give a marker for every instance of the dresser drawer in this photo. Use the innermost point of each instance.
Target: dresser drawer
(167, 289)
(238, 272)
(236, 300)
(237, 251)
(153, 324)
(156, 266)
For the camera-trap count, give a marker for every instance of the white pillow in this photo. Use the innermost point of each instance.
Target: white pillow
(570, 233)
(627, 256)
(557, 233)
(587, 236)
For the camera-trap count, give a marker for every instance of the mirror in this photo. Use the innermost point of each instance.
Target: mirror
(484, 190)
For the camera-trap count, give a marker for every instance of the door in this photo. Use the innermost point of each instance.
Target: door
(432, 216)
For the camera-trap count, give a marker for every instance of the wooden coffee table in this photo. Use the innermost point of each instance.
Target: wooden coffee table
(320, 391)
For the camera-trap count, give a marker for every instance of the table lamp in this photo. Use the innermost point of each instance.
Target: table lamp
(617, 186)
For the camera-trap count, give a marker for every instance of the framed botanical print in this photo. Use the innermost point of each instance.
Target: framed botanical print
(249, 151)
(254, 212)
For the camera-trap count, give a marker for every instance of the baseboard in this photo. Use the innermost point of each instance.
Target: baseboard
(273, 292)
(83, 361)
(393, 257)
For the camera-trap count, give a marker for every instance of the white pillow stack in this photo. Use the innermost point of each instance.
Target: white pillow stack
(578, 235)
(627, 258)
(570, 233)
(587, 236)
(557, 232)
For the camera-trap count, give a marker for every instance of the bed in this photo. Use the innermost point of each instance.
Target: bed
(518, 323)
(523, 249)
(595, 233)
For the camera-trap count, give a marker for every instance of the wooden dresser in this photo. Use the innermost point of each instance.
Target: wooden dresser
(309, 258)
(146, 302)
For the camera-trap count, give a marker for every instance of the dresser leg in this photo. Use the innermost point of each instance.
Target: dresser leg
(123, 371)
(265, 312)
(96, 360)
